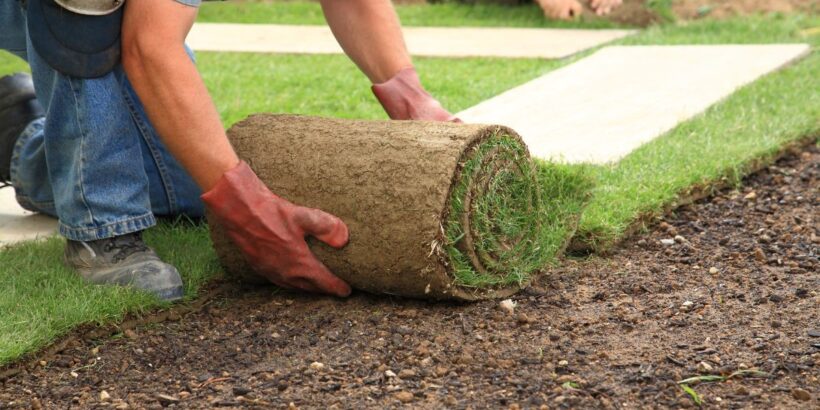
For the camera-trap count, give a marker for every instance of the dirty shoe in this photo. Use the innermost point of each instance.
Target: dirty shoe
(126, 261)
(18, 108)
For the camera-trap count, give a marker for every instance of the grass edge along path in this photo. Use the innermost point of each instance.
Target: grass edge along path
(717, 148)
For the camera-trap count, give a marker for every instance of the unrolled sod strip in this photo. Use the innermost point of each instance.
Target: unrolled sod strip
(435, 210)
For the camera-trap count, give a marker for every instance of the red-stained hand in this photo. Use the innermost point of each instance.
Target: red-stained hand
(271, 232)
(404, 98)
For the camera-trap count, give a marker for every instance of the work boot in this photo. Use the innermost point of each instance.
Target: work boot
(125, 261)
(18, 108)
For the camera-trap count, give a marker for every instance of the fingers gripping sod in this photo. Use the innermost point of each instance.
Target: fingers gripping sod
(270, 232)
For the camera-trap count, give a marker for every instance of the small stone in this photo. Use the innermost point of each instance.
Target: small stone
(317, 366)
(814, 332)
(750, 196)
(165, 399)
(404, 396)
(508, 306)
(801, 395)
(43, 363)
(704, 367)
(389, 373)
(130, 334)
(680, 239)
(241, 390)
(74, 374)
(184, 395)
(426, 362)
(563, 363)
(759, 255)
(686, 305)
(407, 374)
(523, 319)
(713, 270)
(441, 371)
(104, 396)
(95, 351)
(667, 242)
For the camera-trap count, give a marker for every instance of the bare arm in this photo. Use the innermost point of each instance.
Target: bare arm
(173, 93)
(370, 34)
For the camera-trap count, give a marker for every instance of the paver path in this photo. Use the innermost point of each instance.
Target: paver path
(17, 224)
(604, 106)
(423, 41)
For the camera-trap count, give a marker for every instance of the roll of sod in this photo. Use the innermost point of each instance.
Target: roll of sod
(435, 210)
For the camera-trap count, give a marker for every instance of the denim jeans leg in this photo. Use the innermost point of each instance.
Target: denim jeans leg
(91, 151)
(172, 190)
(12, 28)
(95, 162)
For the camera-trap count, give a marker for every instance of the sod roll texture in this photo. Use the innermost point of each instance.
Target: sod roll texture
(435, 210)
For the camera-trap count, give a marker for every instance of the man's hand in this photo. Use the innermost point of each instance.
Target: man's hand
(271, 232)
(561, 9)
(404, 98)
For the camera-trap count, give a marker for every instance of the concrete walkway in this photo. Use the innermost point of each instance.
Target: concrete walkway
(18, 225)
(604, 106)
(421, 41)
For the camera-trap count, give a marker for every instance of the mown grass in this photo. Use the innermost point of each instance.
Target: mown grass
(41, 299)
(44, 300)
(448, 14)
(716, 146)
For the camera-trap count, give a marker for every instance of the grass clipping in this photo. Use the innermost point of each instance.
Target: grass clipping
(435, 210)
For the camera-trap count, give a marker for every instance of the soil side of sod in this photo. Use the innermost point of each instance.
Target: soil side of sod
(738, 289)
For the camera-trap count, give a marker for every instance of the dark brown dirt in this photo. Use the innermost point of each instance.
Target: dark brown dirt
(599, 333)
(693, 9)
(391, 183)
(639, 13)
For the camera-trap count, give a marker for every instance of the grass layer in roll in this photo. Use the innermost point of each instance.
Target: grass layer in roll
(508, 216)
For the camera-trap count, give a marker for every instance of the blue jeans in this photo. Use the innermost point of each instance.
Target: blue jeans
(94, 162)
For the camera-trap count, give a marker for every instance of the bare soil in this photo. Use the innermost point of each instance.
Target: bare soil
(691, 9)
(737, 289)
(638, 13)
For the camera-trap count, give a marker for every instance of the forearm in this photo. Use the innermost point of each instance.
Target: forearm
(177, 103)
(370, 34)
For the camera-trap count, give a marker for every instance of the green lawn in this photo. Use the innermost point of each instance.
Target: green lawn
(40, 300)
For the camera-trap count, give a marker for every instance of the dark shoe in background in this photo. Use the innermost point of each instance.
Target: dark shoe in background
(18, 108)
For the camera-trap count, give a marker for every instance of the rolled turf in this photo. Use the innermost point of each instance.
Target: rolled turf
(435, 210)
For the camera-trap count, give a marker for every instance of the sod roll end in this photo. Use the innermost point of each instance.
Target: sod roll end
(435, 210)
